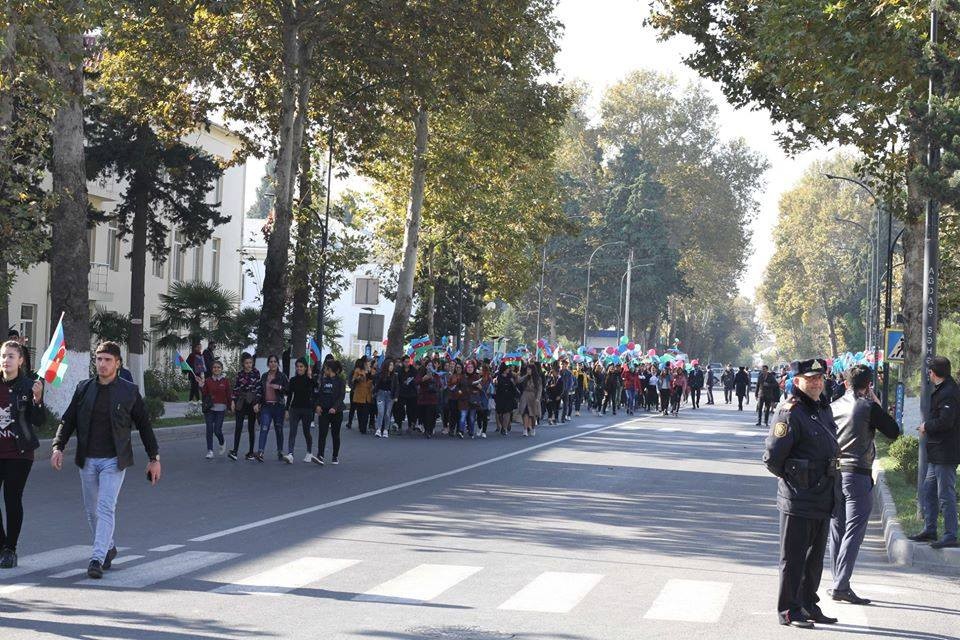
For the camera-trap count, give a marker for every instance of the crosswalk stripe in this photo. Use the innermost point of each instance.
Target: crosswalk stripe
(76, 573)
(167, 547)
(708, 432)
(7, 589)
(163, 569)
(287, 577)
(420, 584)
(47, 560)
(668, 429)
(589, 425)
(690, 601)
(553, 592)
(749, 434)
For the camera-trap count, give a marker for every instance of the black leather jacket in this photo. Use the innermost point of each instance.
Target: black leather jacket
(943, 425)
(802, 451)
(27, 417)
(126, 410)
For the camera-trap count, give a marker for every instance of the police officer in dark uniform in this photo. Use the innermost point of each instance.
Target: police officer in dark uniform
(802, 451)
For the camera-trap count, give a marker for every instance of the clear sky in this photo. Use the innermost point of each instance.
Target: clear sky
(606, 39)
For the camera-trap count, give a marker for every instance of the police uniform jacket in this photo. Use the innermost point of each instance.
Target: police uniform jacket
(802, 451)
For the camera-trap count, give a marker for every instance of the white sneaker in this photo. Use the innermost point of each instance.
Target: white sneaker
(377, 434)
(209, 455)
(317, 459)
(223, 448)
(385, 434)
(483, 434)
(308, 457)
(288, 458)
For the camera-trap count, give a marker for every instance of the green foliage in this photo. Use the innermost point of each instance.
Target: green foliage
(904, 451)
(191, 311)
(263, 200)
(110, 325)
(239, 330)
(155, 408)
(164, 383)
(814, 290)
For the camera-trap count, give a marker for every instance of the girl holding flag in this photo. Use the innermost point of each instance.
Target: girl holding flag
(21, 414)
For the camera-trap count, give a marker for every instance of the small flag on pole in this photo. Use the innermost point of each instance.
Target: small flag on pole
(313, 352)
(52, 363)
(180, 363)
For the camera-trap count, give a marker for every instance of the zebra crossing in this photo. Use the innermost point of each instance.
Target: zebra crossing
(550, 592)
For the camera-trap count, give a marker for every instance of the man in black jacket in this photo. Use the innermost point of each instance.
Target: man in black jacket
(102, 412)
(942, 429)
(802, 451)
(741, 381)
(695, 381)
(726, 379)
(768, 392)
(858, 415)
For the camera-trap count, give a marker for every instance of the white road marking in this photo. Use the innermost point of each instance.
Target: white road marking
(749, 434)
(589, 425)
(403, 485)
(47, 560)
(708, 432)
(420, 584)
(668, 429)
(690, 601)
(167, 547)
(846, 614)
(13, 588)
(160, 570)
(76, 573)
(553, 592)
(287, 577)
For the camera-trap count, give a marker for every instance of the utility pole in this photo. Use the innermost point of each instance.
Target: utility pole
(626, 310)
(931, 266)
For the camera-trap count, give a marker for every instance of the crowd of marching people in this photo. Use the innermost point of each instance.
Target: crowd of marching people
(434, 395)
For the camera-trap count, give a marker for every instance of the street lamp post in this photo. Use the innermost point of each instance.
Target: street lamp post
(874, 327)
(586, 303)
(868, 315)
(369, 349)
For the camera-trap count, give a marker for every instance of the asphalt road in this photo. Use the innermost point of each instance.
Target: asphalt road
(603, 528)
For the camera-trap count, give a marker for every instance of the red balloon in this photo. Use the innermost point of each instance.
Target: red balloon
(631, 346)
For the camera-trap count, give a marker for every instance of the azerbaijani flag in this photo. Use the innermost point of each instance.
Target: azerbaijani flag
(180, 363)
(52, 365)
(419, 343)
(313, 351)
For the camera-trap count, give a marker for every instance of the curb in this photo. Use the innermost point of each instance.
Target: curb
(901, 550)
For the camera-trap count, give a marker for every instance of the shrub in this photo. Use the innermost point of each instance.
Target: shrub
(903, 451)
(164, 384)
(155, 408)
(193, 410)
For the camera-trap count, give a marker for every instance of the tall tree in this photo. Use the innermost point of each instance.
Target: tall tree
(167, 187)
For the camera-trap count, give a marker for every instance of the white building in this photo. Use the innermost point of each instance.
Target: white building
(360, 306)
(217, 261)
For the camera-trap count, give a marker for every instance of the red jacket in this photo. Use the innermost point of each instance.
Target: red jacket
(630, 379)
(219, 390)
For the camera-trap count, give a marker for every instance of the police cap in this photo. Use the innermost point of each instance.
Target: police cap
(812, 367)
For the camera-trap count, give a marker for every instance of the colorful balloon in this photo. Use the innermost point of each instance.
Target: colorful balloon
(624, 339)
(631, 346)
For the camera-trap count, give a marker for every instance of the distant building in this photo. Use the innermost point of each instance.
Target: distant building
(217, 261)
(357, 325)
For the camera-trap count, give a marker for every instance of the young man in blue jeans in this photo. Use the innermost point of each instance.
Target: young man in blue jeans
(103, 412)
(942, 430)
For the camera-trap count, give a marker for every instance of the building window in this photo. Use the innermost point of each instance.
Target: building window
(215, 261)
(157, 268)
(92, 241)
(113, 246)
(218, 191)
(153, 349)
(178, 258)
(28, 323)
(368, 291)
(370, 327)
(198, 263)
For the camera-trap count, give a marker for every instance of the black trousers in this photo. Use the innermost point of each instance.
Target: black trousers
(802, 544)
(428, 418)
(740, 402)
(695, 398)
(329, 423)
(710, 395)
(764, 405)
(246, 412)
(13, 478)
(727, 395)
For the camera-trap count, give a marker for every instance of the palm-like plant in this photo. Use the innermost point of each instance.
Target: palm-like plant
(194, 310)
(239, 330)
(110, 325)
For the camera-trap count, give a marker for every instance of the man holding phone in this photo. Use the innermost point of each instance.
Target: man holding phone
(102, 412)
(859, 416)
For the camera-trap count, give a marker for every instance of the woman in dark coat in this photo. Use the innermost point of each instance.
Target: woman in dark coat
(505, 396)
